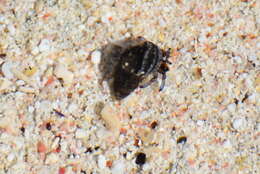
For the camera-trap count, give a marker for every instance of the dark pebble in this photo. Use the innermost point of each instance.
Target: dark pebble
(48, 126)
(181, 140)
(140, 159)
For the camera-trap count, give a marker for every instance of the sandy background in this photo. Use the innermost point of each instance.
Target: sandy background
(55, 117)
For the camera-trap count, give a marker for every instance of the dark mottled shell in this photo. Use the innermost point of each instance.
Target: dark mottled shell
(135, 64)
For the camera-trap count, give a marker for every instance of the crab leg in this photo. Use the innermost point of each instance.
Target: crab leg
(163, 81)
(150, 81)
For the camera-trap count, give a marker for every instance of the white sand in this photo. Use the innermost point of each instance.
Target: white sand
(56, 118)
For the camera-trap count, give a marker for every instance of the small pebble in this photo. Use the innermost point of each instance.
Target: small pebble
(89, 150)
(5, 84)
(73, 108)
(55, 143)
(62, 72)
(20, 82)
(231, 107)
(5, 149)
(237, 59)
(30, 71)
(200, 122)
(91, 20)
(154, 124)
(52, 158)
(181, 140)
(239, 123)
(7, 70)
(31, 109)
(44, 45)
(110, 117)
(22, 129)
(27, 89)
(48, 126)
(202, 38)
(106, 18)
(83, 53)
(101, 161)
(81, 133)
(252, 98)
(35, 50)
(96, 57)
(11, 29)
(11, 157)
(118, 167)
(19, 143)
(140, 158)
(227, 144)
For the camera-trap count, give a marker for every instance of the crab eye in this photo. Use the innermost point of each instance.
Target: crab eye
(163, 68)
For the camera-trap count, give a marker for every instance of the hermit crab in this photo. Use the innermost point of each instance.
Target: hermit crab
(136, 60)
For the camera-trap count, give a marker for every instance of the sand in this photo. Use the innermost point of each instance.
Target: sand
(56, 116)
